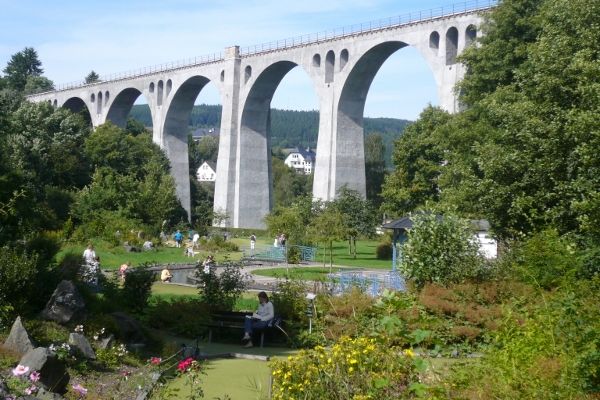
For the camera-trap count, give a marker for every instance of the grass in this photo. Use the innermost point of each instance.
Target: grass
(169, 292)
(112, 257)
(237, 378)
(365, 255)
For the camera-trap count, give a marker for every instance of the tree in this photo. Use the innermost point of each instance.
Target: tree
(38, 84)
(358, 216)
(288, 184)
(374, 166)
(21, 66)
(326, 228)
(418, 159)
(92, 77)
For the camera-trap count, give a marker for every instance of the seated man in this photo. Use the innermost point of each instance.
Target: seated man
(148, 245)
(165, 276)
(260, 319)
(189, 252)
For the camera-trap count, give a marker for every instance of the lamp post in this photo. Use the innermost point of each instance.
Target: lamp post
(309, 309)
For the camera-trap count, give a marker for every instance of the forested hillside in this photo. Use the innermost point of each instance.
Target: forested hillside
(289, 128)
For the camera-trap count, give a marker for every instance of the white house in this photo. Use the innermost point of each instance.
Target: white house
(301, 160)
(207, 172)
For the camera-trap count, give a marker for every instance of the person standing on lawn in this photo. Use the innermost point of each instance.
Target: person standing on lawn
(260, 319)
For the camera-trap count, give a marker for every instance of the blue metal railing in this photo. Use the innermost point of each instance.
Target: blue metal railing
(272, 253)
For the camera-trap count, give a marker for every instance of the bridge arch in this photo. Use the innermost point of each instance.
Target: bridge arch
(121, 106)
(78, 106)
(255, 190)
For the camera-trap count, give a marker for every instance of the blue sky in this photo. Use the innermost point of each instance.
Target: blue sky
(74, 37)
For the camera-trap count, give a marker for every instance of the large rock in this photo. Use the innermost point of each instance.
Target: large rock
(130, 329)
(65, 305)
(107, 342)
(53, 373)
(18, 340)
(82, 345)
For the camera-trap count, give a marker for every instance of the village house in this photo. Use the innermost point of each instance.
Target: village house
(301, 160)
(207, 172)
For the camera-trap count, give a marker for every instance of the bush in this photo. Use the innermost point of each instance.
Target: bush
(358, 368)
(293, 255)
(19, 276)
(221, 292)
(181, 316)
(137, 287)
(440, 250)
(384, 251)
(545, 259)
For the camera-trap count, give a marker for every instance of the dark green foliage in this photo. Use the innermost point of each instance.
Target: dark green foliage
(287, 184)
(289, 301)
(184, 316)
(137, 287)
(384, 251)
(220, 292)
(440, 250)
(92, 77)
(375, 166)
(545, 259)
(21, 66)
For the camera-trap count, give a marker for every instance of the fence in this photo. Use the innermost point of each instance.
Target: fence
(373, 283)
(271, 253)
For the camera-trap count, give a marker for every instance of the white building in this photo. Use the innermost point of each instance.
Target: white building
(303, 161)
(207, 172)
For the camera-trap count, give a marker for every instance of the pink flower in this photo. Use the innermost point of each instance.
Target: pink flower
(185, 364)
(31, 390)
(155, 360)
(20, 370)
(34, 376)
(79, 389)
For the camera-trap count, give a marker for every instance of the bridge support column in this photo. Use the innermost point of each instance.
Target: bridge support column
(226, 184)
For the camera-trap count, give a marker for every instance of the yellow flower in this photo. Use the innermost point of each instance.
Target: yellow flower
(353, 361)
(350, 369)
(409, 353)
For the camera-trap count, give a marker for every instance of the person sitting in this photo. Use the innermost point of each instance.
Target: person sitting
(259, 320)
(165, 276)
(148, 245)
(189, 251)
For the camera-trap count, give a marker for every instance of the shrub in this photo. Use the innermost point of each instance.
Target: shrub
(293, 255)
(137, 287)
(182, 316)
(19, 274)
(545, 259)
(289, 301)
(440, 250)
(358, 368)
(220, 292)
(384, 251)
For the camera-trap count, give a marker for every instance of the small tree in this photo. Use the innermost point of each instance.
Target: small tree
(220, 292)
(327, 227)
(137, 287)
(440, 250)
(92, 77)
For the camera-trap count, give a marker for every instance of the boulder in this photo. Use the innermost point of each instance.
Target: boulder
(107, 342)
(65, 305)
(53, 373)
(18, 340)
(130, 330)
(82, 345)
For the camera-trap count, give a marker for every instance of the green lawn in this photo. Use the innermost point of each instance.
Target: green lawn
(167, 291)
(240, 379)
(365, 255)
(112, 257)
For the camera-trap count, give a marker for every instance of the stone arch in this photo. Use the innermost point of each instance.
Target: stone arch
(121, 106)
(78, 106)
(169, 87)
(349, 125)
(174, 139)
(434, 41)
(159, 93)
(247, 73)
(344, 55)
(99, 103)
(451, 45)
(254, 192)
(470, 35)
(316, 60)
(329, 66)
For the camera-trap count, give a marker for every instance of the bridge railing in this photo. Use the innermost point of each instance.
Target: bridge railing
(303, 40)
(376, 25)
(186, 63)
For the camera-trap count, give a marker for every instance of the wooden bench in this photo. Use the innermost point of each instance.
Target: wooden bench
(235, 320)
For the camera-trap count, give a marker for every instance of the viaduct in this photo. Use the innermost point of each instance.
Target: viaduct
(341, 66)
